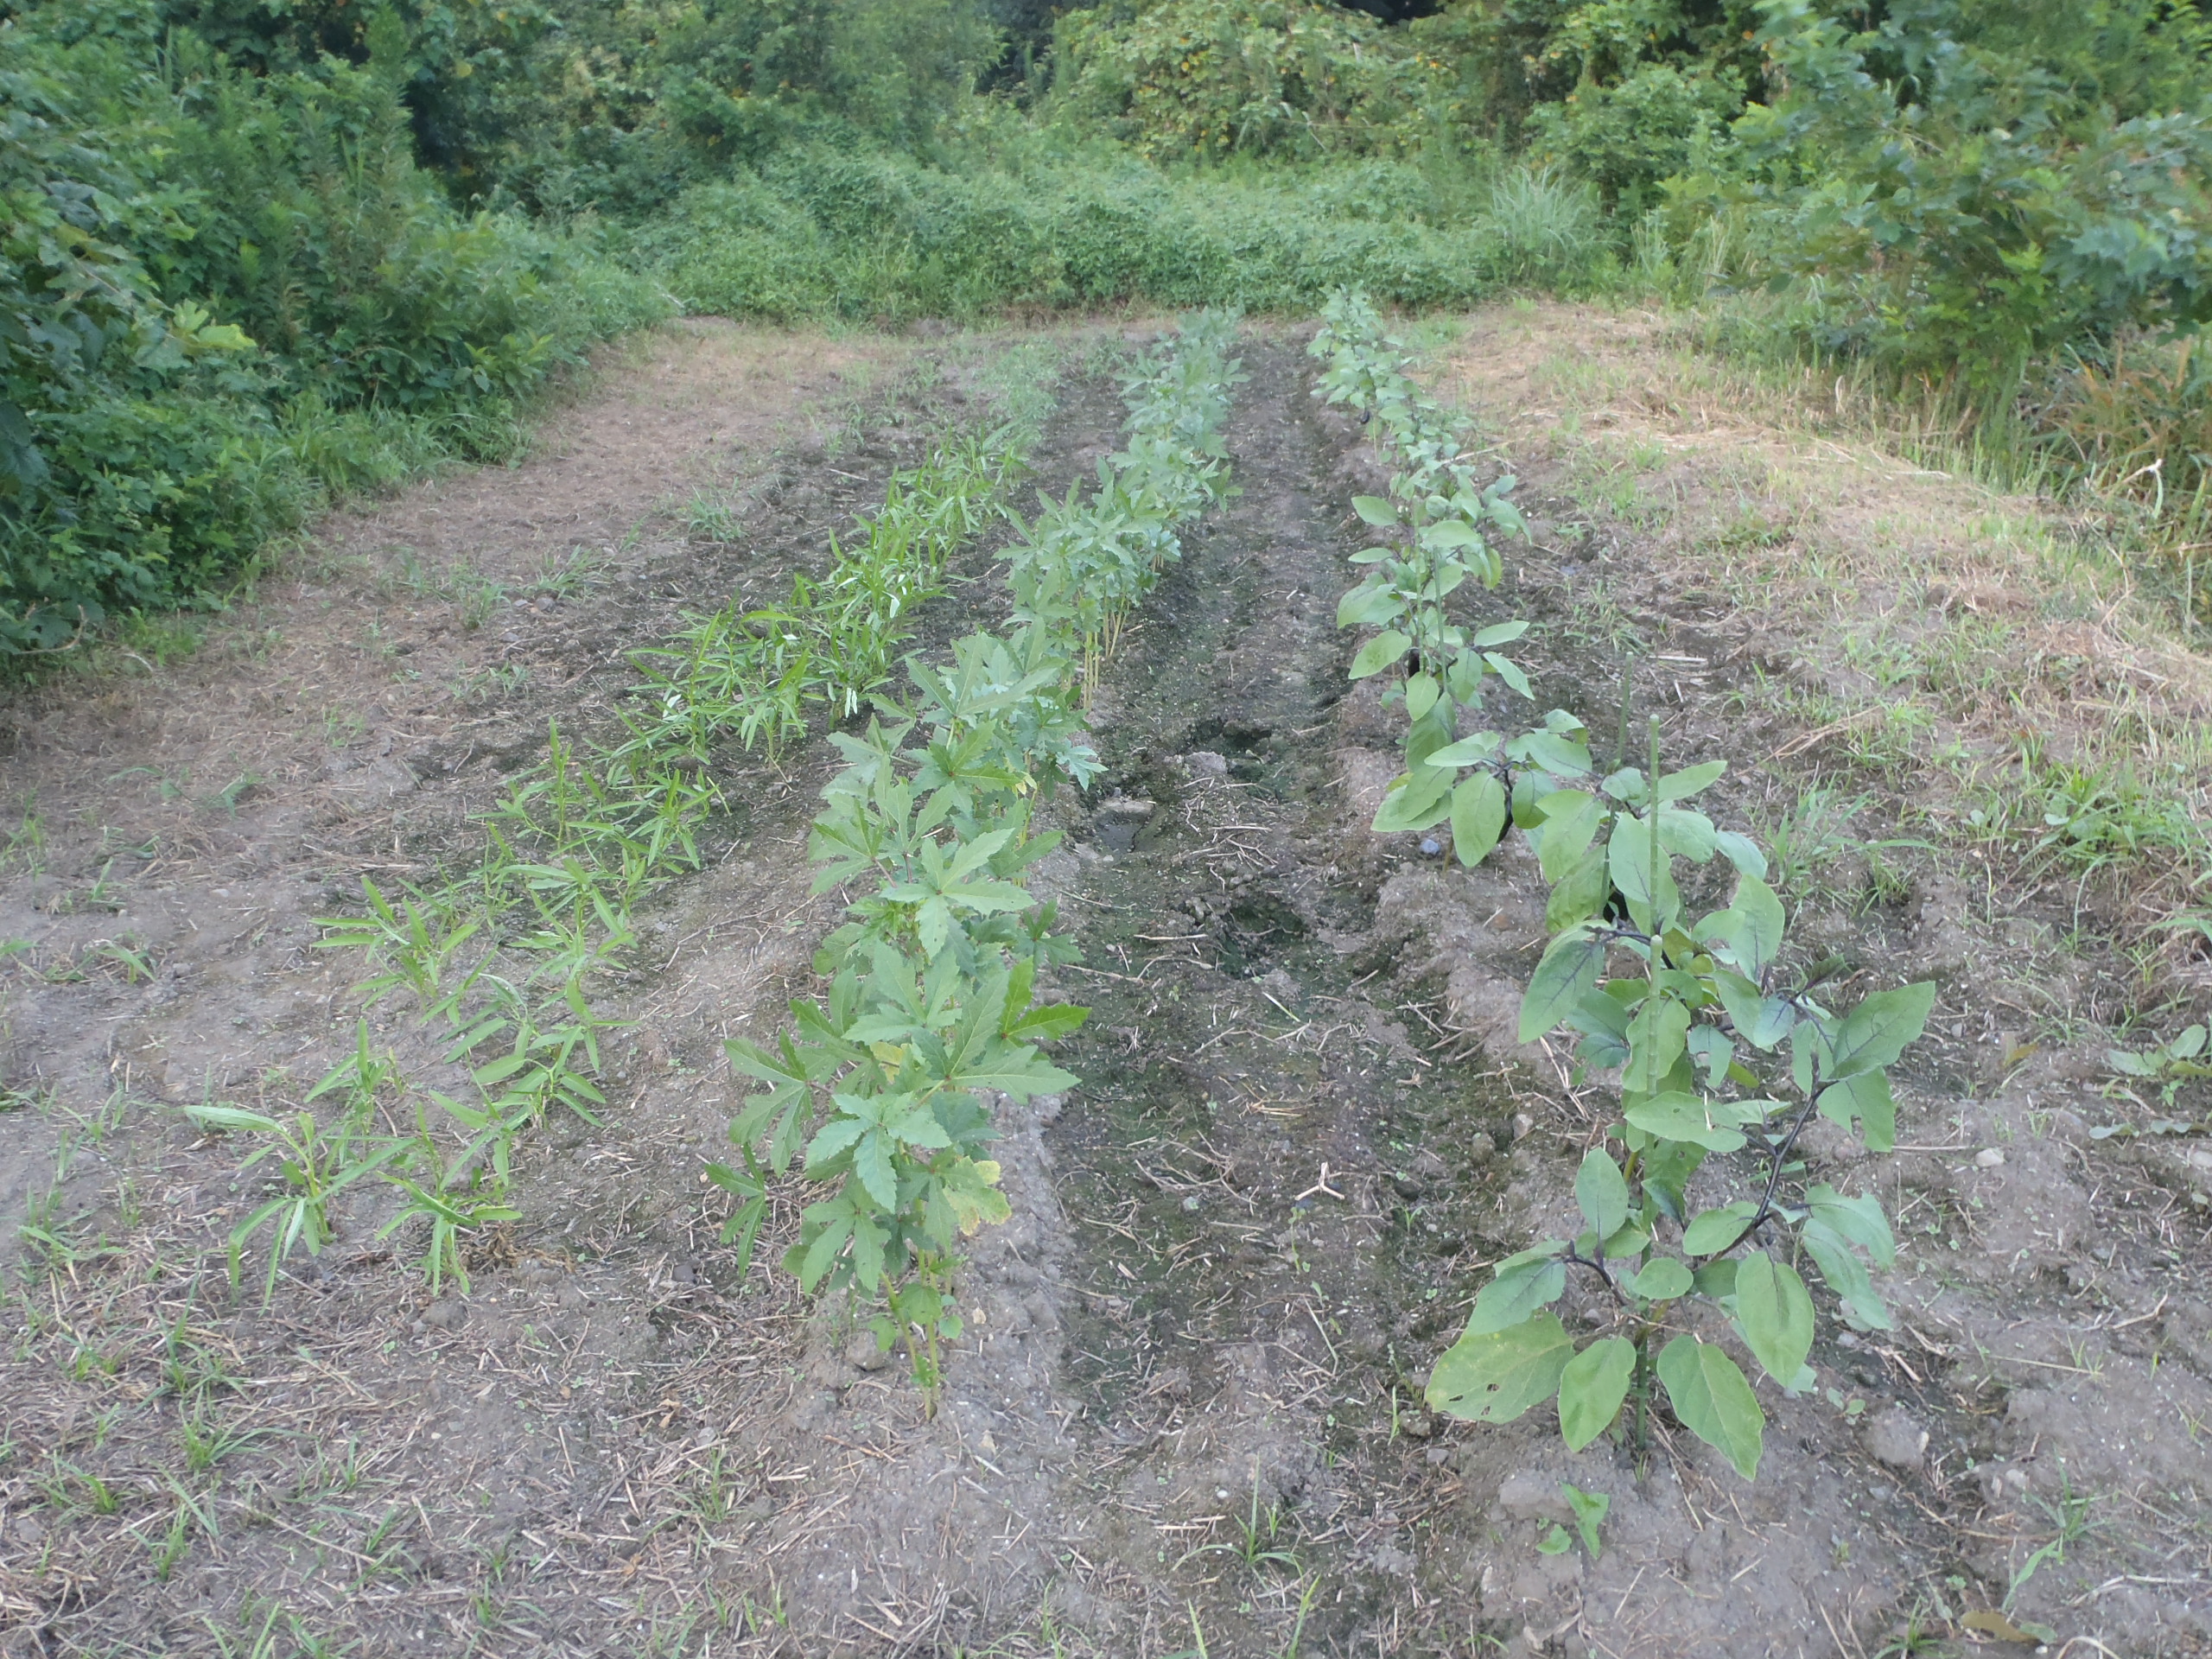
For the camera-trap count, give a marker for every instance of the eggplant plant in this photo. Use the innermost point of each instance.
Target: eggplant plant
(1722, 1053)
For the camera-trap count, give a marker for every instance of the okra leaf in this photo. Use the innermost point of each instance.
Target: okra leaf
(1775, 1315)
(1494, 1377)
(1592, 1388)
(1709, 1395)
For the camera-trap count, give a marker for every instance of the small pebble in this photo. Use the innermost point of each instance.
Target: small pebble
(1430, 846)
(1988, 1158)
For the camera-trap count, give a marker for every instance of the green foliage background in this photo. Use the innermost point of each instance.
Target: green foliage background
(260, 250)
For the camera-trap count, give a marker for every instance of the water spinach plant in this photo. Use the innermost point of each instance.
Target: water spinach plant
(1721, 1050)
(882, 1090)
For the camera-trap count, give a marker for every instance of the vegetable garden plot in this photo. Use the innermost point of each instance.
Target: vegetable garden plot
(1185, 1404)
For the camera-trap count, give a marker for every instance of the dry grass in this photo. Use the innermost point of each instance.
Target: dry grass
(1987, 657)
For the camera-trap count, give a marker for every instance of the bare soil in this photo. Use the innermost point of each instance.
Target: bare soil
(1188, 1411)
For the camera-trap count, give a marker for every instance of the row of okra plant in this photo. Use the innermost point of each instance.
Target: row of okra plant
(508, 962)
(881, 1091)
(1721, 1050)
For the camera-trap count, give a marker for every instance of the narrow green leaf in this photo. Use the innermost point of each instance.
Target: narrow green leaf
(1775, 1315)
(1709, 1395)
(1495, 1376)
(1592, 1388)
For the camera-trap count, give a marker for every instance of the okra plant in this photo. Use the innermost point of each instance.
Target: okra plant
(1720, 1052)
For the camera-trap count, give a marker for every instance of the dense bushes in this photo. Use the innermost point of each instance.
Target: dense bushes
(1206, 78)
(823, 233)
(223, 292)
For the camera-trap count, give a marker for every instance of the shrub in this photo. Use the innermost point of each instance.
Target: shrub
(220, 293)
(1206, 78)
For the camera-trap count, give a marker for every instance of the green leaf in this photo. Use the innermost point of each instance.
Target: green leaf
(1602, 1192)
(1757, 937)
(1591, 1510)
(1424, 797)
(1521, 1284)
(1690, 834)
(1656, 1038)
(1741, 851)
(1681, 785)
(1629, 854)
(1716, 1230)
(1866, 1099)
(1494, 1377)
(1500, 633)
(1567, 973)
(1674, 1116)
(1762, 1022)
(1846, 1274)
(1860, 1220)
(1775, 1315)
(1581, 893)
(1378, 653)
(1556, 754)
(1376, 509)
(1421, 693)
(1467, 751)
(1663, 1280)
(1877, 1031)
(1592, 1388)
(1572, 818)
(1477, 817)
(1709, 1395)
(1507, 670)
